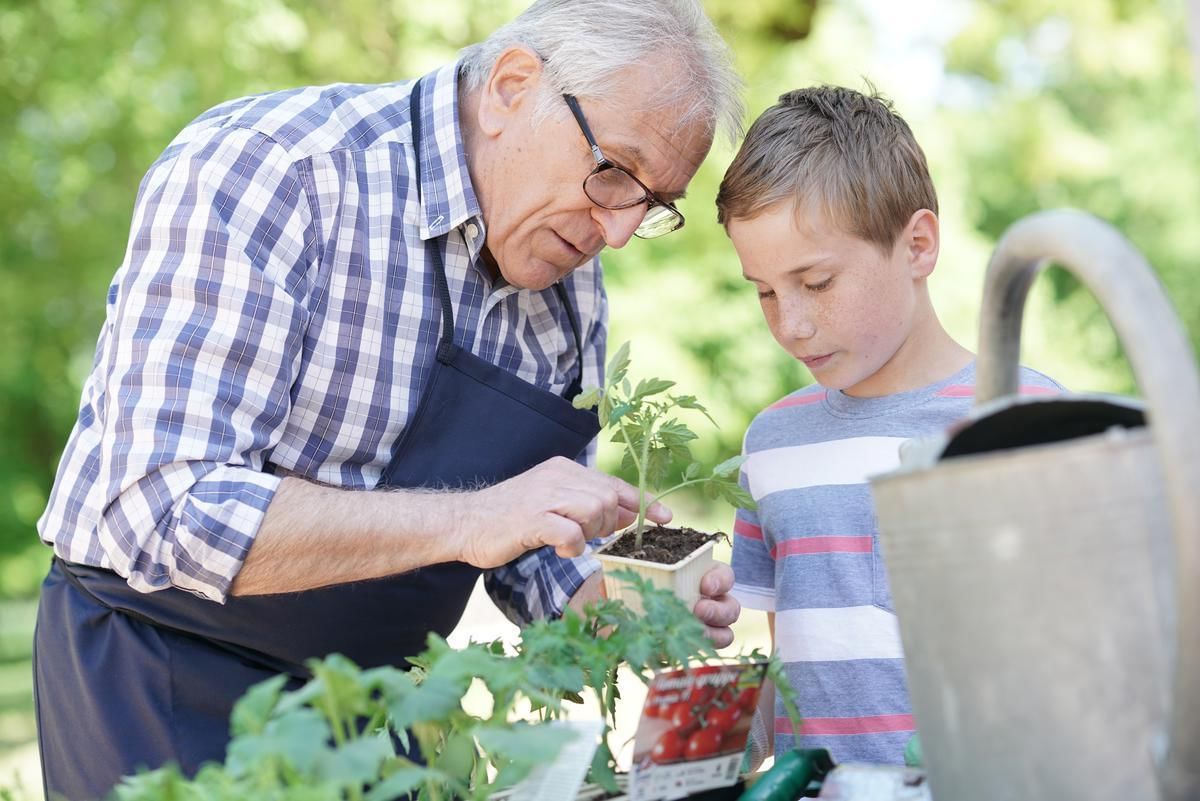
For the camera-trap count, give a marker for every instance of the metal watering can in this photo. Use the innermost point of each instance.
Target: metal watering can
(1044, 557)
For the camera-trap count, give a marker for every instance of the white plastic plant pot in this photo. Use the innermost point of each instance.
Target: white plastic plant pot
(682, 578)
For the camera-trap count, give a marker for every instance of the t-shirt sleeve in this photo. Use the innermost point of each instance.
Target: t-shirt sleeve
(753, 563)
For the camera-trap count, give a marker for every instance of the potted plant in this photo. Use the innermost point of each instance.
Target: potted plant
(643, 419)
(334, 738)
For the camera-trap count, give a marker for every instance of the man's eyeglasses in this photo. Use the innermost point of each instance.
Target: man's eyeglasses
(610, 186)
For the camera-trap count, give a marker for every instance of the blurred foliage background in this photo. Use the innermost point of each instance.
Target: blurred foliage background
(1020, 104)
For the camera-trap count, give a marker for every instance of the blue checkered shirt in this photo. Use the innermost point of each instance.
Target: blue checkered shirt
(276, 305)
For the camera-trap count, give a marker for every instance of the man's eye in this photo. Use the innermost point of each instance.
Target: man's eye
(821, 287)
(766, 294)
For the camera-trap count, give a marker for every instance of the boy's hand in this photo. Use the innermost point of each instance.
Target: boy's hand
(717, 609)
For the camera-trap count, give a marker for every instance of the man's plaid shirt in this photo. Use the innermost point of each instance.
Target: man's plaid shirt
(276, 305)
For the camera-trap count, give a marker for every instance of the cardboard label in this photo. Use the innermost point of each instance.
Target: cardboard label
(693, 730)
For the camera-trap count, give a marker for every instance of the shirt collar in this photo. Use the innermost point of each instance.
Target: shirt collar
(448, 199)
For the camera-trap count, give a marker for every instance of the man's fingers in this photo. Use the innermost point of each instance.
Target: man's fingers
(593, 509)
(627, 494)
(721, 638)
(717, 612)
(627, 497)
(565, 535)
(625, 518)
(659, 513)
(716, 609)
(717, 581)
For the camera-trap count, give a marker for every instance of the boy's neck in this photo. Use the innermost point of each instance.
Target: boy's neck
(928, 355)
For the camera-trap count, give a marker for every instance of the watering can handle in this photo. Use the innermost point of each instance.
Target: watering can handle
(1165, 368)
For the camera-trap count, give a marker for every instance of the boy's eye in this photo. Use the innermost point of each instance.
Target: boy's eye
(821, 287)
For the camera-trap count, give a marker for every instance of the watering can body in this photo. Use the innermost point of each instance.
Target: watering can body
(1043, 556)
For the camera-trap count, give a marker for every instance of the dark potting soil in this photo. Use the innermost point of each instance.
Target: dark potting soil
(662, 544)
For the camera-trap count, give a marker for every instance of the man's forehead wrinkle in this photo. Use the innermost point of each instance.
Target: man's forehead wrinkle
(657, 152)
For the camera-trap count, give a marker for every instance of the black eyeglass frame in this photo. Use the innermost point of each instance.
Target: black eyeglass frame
(603, 163)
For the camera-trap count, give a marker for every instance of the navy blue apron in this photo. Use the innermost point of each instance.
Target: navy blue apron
(125, 680)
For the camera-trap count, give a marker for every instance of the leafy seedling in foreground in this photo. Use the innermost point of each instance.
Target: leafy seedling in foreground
(643, 420)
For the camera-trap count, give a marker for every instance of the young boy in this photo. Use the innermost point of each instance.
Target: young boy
(831, 209)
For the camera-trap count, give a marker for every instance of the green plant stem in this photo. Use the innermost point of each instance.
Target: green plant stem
(641, 471)
(677, 487)
(643, 504)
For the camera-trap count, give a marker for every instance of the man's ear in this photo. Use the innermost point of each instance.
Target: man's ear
(920, 240)
(510, 88)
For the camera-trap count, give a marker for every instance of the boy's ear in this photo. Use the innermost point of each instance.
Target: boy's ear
(510, 88)
(920, 241)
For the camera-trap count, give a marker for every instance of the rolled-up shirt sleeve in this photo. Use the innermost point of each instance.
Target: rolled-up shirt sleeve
(202, 342)
(540, 583)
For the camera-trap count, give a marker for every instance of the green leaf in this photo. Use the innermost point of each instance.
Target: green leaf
(345, 694)
(618, 364)
(729, 467)
(619, 411)
(355, 763)
(689, 402)
(398, 783)
(602, 771)
(457, 757)
(587, 398)
(253, 710)
(692, 471)
(650, 386)
(675, 430)
(433, 699)
(298, 737)
(658, 464)
(525, 742)
(740, 498)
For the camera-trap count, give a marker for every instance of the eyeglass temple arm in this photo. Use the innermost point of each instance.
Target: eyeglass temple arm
(573, 104)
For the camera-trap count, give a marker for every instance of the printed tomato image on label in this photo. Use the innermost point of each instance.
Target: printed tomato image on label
(693, 730)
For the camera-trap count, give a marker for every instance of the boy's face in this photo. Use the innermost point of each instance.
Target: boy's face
(837, 302)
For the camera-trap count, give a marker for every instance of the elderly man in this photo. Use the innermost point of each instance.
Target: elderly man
(334, 381)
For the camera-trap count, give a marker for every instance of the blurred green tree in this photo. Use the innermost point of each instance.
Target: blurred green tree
(1034, 104)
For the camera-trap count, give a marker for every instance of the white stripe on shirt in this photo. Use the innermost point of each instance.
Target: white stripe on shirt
(842, 461)
(826, 635)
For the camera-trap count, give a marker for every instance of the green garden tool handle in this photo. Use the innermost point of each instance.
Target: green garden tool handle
(790, 776)
(1165, 367)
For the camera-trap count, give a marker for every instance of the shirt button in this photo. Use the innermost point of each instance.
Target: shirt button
(472, 231)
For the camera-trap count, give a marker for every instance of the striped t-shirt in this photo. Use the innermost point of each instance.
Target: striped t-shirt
(810, 554)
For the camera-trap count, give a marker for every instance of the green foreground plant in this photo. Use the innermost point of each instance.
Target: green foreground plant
(335, 737)
(641, 419)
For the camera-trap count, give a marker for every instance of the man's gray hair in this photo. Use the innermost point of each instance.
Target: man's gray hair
(586, 43)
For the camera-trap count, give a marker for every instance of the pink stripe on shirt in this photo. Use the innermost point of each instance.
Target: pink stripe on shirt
(798, 400)
(871, 724)
(967, 391)
(748, 530)
(810, 545)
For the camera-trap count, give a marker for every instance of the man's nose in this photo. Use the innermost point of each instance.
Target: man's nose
(618, 225)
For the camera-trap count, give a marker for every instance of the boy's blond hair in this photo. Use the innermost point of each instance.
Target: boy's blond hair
(843, 153)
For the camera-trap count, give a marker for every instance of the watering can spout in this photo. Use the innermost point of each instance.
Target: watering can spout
(1045, 556)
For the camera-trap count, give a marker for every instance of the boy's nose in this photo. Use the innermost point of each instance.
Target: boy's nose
(618, 225)
(798, 325)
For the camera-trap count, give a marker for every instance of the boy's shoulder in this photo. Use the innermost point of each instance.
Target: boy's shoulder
(814, 413)
(784, 418)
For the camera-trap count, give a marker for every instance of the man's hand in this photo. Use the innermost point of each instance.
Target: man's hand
(717, 609)
(558, 503)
